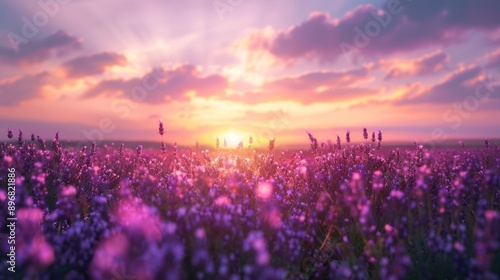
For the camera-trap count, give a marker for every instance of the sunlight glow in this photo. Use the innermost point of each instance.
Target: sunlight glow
(234, 137)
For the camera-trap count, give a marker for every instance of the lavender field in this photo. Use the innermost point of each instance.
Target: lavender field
(334, 211)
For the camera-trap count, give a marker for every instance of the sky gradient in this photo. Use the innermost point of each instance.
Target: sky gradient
(109, 70)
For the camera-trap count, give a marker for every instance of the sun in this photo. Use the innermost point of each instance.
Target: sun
(234, 137)
(233, 140)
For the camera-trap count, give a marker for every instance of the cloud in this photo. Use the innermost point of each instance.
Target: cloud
(259, 117)
(13, 92)
(410, 26)
(456, 87)
(424, 65)
(163, 86)
(492, 60)
(93, 64)
(312, 87)
(37, 51)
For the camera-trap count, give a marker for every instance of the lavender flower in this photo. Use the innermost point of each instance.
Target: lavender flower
(348, 136)
(351, 214)
(163, 147)
(161, 130)
(377, 180)
(139, 150)
(10, 134)
(92, 149)
(365, 133)
(41, 142)
(32, 248)
(20, 139)
(122, 149)
(313, 142)
(271, 144)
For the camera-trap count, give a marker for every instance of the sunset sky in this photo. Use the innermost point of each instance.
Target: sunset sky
(111, 69)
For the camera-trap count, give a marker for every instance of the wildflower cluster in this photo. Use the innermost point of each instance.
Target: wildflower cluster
(361, 211)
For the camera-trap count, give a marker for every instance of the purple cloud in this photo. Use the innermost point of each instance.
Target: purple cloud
(27, 87)
(93, 64)
(368, 31)
(160, 85)
(36, 51)
(459, 86)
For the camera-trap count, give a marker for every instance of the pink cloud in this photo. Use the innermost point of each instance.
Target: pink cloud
(312, 87)
(492, 59)
(93, 64)
(13, 92)
(260, 117)
(424, 65)
(164, 85)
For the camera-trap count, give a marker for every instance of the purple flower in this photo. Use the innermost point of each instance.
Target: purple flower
(32, 248)
(313, 142)
(160, 128)
(271, 144)
(20, 139)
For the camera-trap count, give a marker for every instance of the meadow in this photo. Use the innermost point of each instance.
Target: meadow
(337, 210)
